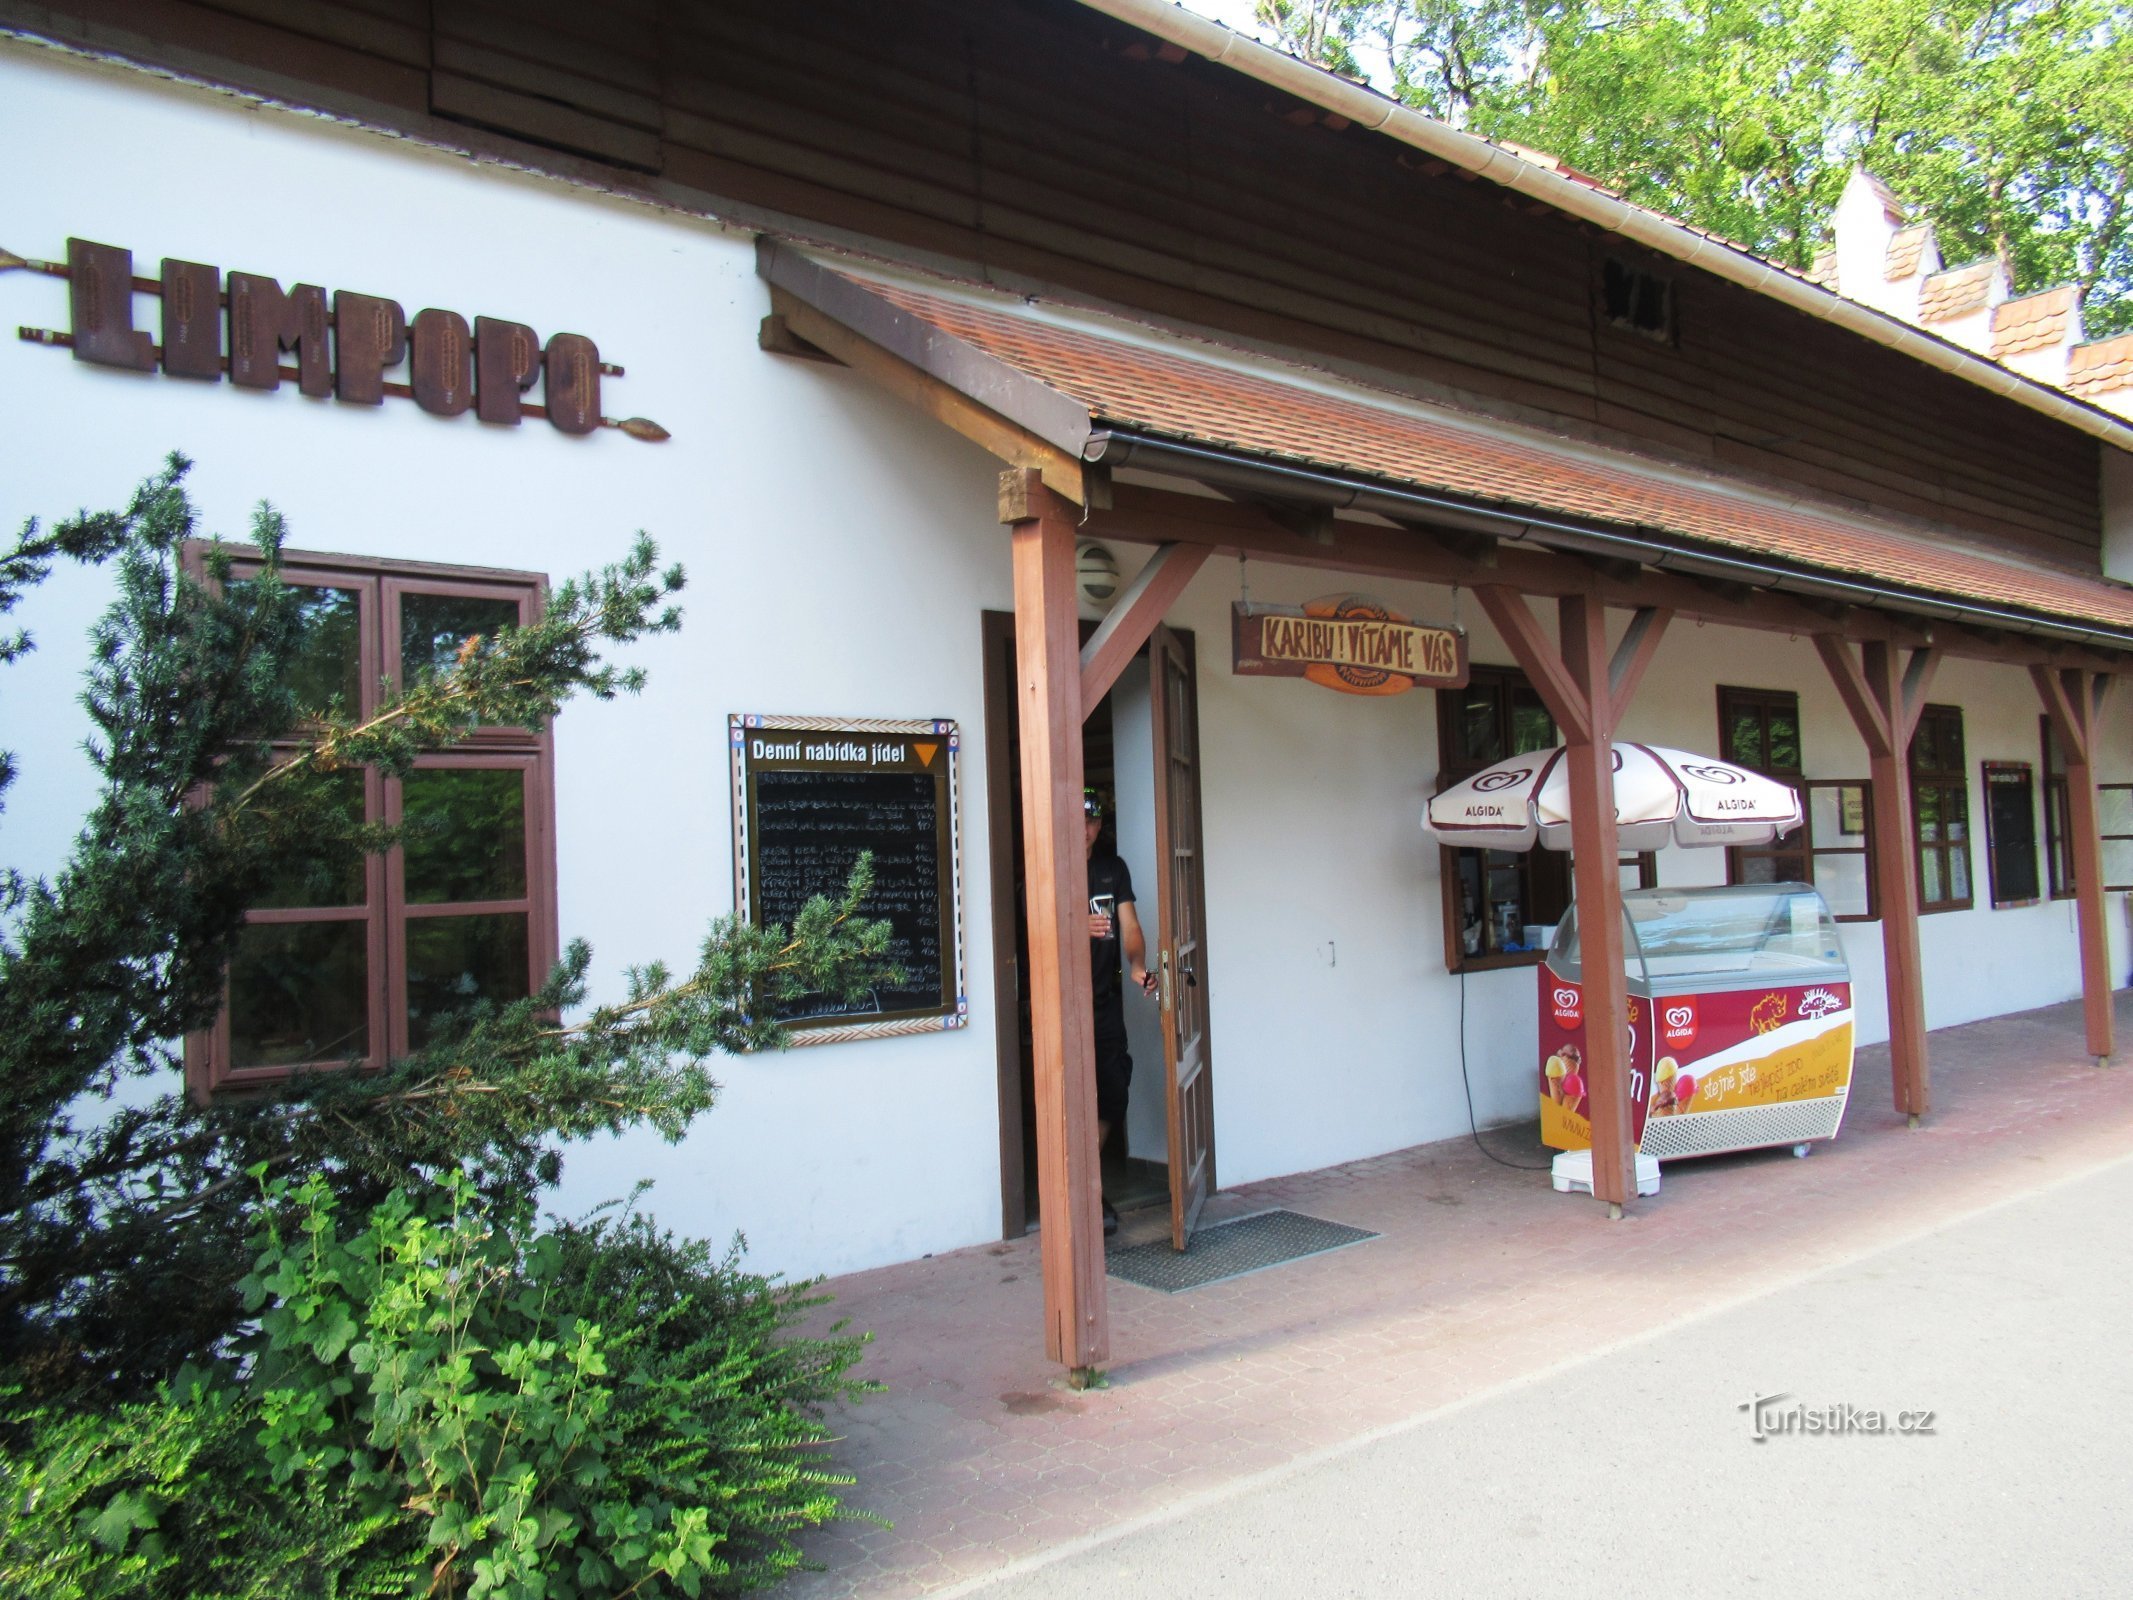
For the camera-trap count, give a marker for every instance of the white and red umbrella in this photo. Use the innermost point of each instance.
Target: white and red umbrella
(1662, 797)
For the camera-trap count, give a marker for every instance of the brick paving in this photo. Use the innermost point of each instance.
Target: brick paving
(978, 1455)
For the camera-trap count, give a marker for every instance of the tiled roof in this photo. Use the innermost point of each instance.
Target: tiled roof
(1891, 207)
(1906, 247)
(2033, 322)
(1957, 292)
(1244, 403)
(1823, 274)
(2102, 365)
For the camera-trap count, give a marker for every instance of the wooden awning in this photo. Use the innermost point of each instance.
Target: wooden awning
(1083, 390)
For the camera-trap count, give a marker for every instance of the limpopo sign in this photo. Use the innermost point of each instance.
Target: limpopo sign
(1346, 642)
(345, 345)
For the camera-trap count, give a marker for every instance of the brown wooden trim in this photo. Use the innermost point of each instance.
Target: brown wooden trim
(1945, 781)
(1872, 691)
(988, 430)
(1056, 889)
(1633, 655)
(1143, 515)
(1550, 672)
(2074, 702)
(1596, 865)
(997, 631)
(379, 583)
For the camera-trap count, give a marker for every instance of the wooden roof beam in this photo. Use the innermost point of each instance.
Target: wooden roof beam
(1153, 516)
(1011, 444)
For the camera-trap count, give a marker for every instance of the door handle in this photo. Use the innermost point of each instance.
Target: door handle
(1192, 979)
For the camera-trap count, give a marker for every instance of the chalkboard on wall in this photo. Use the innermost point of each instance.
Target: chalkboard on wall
(809, 794)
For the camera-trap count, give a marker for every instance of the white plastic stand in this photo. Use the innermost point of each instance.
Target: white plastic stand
(1572, 1173)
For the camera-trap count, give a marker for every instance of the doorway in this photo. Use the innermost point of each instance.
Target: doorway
(1152, 811)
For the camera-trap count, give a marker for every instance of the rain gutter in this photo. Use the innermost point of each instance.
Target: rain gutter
(1118, 447)
(1382, 114)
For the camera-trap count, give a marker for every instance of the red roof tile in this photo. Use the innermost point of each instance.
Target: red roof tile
(2101, 366)
(1957, 291)
(1180, 394)
(1823, 274)
(2033, 322)
(1906, 247)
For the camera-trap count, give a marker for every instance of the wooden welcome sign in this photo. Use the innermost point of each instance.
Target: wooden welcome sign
(1346, 642)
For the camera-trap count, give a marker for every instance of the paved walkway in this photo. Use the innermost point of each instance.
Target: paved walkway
(1990, 1353)
(1483, 1276)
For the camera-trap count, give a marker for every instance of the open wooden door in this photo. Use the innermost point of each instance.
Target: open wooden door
(1181, 921)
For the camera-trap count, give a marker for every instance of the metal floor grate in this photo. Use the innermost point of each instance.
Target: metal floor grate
(1226, 1250)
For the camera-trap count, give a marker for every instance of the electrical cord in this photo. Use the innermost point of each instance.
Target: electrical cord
(1473, 1125)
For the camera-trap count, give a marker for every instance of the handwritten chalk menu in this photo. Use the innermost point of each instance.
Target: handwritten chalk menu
(809, 795)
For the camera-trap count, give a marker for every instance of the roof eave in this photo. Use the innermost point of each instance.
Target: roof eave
(1381, 114)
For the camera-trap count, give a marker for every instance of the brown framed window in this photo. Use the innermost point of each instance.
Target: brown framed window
(1840, 845)
(1940, 810)
(1760, 729)
(2058, 822)
(1491, 897)
(2011, 834)
(357, 970)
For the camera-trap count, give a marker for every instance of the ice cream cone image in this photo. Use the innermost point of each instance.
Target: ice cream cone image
(1555, 1070)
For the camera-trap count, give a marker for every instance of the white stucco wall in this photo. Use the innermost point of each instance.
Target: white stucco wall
(841, 549)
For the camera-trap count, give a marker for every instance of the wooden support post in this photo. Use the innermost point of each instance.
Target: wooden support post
(2074, 700)
(1595, 858)
(1056, 876)
(1885, 707)
(1585, 688)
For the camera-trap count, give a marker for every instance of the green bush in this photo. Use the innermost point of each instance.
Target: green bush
(442, 1401)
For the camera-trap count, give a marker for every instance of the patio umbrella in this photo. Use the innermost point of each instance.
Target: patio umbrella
(1662, 796)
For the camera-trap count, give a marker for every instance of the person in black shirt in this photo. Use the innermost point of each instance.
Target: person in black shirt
(1114, 929)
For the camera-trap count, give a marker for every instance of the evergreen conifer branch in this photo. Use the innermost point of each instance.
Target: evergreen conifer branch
(124, 1227)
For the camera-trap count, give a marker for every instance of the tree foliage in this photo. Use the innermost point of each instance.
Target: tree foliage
(126, 1206)
(2008, 123)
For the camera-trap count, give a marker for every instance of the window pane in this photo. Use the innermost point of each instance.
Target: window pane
(333, 875)
(2114, 806)
(1959, 874)
(1531, 726)
(1782, 737)
(1756, 868)
(466, 834)
(1927, 799)
(1930, 885)
(328, 667)
(2117, 864)
(1842, 880)
(299, 992)
(1955, 813)
(1479, 730)
(452, 961)
(1744, 737)
(434, 628)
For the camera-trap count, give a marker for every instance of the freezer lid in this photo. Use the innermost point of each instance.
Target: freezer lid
(1680, 941)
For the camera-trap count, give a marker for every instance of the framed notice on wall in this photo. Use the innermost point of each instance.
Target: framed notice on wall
(811, 793)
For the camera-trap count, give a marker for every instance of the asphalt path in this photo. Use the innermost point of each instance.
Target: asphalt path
(1635, 1471)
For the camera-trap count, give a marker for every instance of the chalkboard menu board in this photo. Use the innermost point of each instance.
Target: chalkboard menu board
(808, 796)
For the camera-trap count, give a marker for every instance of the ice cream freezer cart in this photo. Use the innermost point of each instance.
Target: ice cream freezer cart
(1740, 1022)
